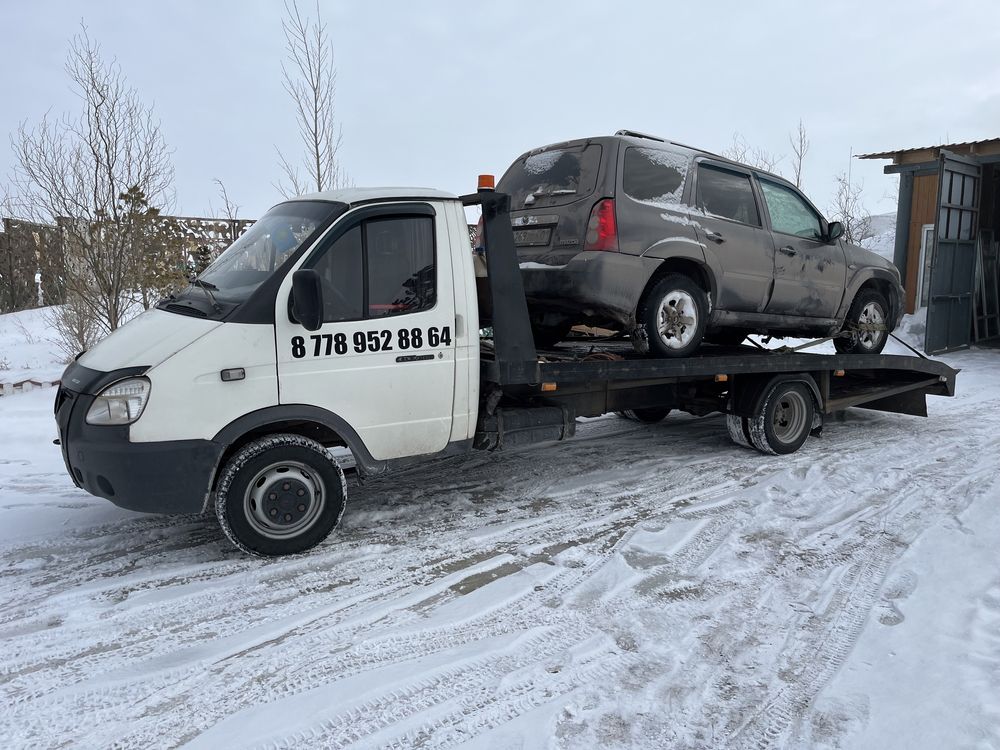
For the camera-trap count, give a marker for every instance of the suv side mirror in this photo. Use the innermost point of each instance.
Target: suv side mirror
(834, 231)
(307, 299)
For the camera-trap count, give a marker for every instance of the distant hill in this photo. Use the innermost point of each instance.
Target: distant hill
(882, 223)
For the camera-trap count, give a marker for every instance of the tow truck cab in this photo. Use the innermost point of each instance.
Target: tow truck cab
(390, 368)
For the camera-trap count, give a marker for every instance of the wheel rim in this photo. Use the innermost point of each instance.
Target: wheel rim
(871, 325)
(284, 499)
(789, 418)
(677, 319)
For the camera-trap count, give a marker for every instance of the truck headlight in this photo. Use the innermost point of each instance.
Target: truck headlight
(120, 403)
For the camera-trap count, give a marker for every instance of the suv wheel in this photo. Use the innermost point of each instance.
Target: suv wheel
(673, 316)
(866, 328)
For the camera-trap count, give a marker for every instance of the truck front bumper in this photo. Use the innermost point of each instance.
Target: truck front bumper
(163, 477)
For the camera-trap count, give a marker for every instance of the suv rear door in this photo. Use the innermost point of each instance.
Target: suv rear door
(737, 247)
(551, 195)
(809, 272)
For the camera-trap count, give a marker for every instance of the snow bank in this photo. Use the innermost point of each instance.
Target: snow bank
(27, 349)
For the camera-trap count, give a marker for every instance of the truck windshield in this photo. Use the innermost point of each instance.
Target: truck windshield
(269, 242)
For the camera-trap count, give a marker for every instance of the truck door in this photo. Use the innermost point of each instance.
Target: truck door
(809, 272)
(384, 358)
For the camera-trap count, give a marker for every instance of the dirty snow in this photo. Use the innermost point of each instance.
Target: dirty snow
(638, 586)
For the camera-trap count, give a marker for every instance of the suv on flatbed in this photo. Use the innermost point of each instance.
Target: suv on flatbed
(675, 245)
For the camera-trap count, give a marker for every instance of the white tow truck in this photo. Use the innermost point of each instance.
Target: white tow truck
(363, 318)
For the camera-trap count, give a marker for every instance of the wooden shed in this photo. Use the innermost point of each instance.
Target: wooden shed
(948, 238)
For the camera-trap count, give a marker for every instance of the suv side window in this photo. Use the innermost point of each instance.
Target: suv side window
(726, 194)
(654, 175)
(379, 268)
(790, 214)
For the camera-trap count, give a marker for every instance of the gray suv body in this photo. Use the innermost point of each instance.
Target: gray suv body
(676, 245)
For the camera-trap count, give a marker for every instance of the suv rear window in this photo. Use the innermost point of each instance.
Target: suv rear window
(552, 178)
(654, 175)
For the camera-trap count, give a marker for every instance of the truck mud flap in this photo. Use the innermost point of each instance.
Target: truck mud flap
(510, 428)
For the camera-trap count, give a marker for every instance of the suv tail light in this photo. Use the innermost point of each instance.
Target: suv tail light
(602, 230)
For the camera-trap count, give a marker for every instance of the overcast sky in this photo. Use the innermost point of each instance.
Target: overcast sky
(434, 93)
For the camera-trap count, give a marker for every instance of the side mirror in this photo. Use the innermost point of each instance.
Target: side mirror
(307, 299)
(834, 231)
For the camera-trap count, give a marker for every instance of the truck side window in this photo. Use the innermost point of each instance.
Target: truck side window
(727, 195)
(401, 267)
(343, 285)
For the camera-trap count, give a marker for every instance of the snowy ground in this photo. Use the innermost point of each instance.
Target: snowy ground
(638, 586)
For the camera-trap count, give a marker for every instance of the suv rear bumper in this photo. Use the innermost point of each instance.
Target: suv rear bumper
(600, 285)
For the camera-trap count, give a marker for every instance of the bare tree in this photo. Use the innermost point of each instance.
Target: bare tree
(800, 147)
(310, 78)
(230, 209)
(741, 151)
(850, 211)
(101, 175)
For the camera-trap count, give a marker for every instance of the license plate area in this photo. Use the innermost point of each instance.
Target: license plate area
(532, 237)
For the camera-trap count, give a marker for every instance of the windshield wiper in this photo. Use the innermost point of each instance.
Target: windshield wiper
(542, 193)
(207, 287)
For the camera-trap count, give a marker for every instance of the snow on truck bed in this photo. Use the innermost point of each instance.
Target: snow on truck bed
(638, 586)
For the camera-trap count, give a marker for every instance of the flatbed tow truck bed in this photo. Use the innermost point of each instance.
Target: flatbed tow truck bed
(773, 399)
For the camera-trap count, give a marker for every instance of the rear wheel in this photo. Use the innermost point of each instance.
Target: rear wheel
(650, 415)
(784, 421)
(739, 430)
(280, 495)
(673, 317)
(866, 328)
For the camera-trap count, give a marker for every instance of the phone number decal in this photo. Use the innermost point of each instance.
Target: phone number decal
(360, 342)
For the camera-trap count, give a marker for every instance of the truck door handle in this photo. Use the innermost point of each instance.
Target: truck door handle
(787, 250)
(714, 236)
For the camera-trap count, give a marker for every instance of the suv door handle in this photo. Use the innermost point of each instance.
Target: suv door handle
(787, 250)
(714, 236)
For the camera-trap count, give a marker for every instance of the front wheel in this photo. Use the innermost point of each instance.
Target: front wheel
(280, 495)
(866, 328)
(673, 317)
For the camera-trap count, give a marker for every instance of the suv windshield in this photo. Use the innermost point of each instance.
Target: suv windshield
(552, 178)
(254, 256)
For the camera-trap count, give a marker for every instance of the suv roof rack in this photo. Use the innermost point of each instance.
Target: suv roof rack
(637, 134)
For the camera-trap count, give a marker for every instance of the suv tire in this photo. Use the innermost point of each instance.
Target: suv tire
(869, 308)
(673, 317)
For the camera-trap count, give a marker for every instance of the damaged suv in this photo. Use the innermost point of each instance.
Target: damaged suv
(677, 246)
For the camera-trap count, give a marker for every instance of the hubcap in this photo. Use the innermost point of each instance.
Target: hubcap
(284, 499)
(789, 417)
(677, 319)
(871, 325)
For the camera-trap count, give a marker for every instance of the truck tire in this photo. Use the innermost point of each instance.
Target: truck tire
(650, 415)
(280, 495)
(673, 316)
(784, 421)
(868, 309)
(739, 430)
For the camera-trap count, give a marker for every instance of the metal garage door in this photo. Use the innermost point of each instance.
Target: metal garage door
(953, 269)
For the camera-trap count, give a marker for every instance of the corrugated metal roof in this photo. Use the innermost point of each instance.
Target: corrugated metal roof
(895, 151)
